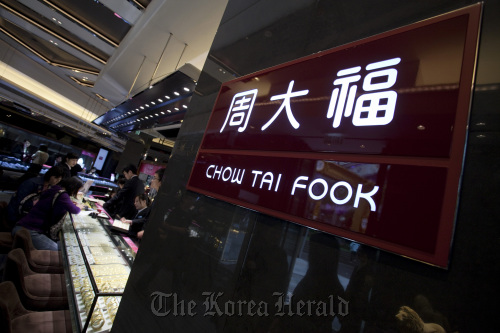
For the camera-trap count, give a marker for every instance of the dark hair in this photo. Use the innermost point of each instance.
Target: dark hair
(144, 197)
(71, 156)
(56, 171)
(71, 185)
(130, 167)
(43, 148)
(160, 173)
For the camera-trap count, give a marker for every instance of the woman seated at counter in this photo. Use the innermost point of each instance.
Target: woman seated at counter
(33, 185)
(141, 203)
(47, 213)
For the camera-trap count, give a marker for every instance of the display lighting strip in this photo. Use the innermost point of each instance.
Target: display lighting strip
(153, 105)
(52, 33)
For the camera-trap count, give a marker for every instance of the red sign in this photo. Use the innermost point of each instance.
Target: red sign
(364, 141)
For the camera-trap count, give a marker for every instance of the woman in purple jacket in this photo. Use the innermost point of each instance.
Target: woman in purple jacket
(48, 212)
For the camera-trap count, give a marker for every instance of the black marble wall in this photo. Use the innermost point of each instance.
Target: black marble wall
(239, 258)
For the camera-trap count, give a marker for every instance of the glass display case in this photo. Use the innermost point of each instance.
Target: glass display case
(97, 181)
(97, 265)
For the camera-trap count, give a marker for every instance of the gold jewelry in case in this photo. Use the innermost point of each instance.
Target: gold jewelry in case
(112, 313)
(97, 320)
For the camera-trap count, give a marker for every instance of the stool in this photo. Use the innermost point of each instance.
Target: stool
(37, 291)
(14, 318)
(5, 242)
(40, 261)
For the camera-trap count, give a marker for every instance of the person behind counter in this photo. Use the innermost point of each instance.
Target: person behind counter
(122, 204)
(142, 204)
(33, 185)
(69, 163)
(46, 213)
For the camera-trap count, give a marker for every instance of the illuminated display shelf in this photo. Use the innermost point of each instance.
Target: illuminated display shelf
(97, 264)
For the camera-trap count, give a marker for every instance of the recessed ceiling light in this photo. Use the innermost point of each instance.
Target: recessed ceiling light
(147, 105)
(160, 100)
(184, 106)
(156, 114)
(142, 107)
(186, 89)
(176, 109)
(176, 93)
(169, 111)
(167, 97)
(162, 112)
(153, 103)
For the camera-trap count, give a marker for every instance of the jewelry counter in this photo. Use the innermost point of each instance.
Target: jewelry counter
(97, 265)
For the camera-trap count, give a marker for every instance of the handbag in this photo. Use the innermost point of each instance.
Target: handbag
(53, 232)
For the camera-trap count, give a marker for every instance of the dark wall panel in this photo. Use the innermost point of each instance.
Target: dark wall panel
(197, 249)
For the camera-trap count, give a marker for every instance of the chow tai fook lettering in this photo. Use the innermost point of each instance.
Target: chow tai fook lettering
(365, 141)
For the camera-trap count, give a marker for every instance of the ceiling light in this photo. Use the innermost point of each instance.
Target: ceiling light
(142, 107)
(186, 89)
(160, 100)
(176, 109)
(167, 97)
(176, 93)
(147, 105)
(184, 106)
(153, 103)
(162, 112)
(169, 111)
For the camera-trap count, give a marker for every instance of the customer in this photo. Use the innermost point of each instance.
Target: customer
(46, 213)
(137, 223)
(41, 156)
(68, 164)
(33, 185)
(124, 199)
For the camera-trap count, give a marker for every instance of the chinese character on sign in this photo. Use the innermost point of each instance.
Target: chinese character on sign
(376, 108)
(286, 105)
(240, 110)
